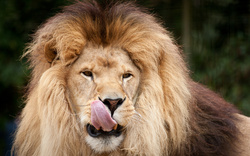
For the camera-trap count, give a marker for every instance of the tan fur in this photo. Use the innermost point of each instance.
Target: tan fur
(244, 141)
(163, 113)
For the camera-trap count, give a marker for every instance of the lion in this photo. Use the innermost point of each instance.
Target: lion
(110, 80)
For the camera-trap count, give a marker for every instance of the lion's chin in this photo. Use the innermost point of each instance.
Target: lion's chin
(102, 141)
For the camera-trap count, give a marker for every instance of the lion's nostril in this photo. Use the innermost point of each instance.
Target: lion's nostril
(120, 102)
(113, 104)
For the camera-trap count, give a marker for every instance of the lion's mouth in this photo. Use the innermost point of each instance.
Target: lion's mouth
(102, 123)
(93, 132)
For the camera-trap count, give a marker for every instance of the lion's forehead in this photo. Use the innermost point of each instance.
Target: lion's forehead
(98, 58)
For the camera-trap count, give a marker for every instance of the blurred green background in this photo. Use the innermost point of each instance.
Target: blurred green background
(215, 36)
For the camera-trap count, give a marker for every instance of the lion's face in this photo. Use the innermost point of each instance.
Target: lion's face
(103, 87)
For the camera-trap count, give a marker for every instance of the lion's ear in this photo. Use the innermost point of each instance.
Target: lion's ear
(50, 53)
(67, 54)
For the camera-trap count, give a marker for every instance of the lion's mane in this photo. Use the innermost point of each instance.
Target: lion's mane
(181, 117)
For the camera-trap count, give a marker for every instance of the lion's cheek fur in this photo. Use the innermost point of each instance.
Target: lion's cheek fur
(57, 120)
(147, 133)
(31, 124)
(146, 130)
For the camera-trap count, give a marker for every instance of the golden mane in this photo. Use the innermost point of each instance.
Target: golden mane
(189, 121)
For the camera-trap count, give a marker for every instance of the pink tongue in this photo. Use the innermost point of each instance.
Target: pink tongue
(100, 117)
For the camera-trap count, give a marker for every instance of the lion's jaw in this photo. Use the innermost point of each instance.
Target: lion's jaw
(99, 74)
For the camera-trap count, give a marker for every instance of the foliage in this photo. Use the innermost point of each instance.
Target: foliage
(220, 49)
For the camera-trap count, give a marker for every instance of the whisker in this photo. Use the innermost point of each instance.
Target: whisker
(83, 105)
(142, 108)
(137, 117)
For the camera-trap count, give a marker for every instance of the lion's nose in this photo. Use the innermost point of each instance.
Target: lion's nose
(113, 104)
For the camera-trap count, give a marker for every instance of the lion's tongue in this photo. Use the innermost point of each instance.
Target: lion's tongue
(100, 117)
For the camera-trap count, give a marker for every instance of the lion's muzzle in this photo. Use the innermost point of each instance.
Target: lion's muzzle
(101, 118)
(113, 104)
(93, 132)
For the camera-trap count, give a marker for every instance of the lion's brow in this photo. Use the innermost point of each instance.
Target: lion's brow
(106, 62)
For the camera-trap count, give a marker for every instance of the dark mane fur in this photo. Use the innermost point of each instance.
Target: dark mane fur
(213, 124)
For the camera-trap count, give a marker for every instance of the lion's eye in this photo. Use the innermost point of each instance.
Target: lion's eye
(127, 75)
(87, 74)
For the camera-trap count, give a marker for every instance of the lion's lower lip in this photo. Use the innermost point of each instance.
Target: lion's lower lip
(93, 132)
